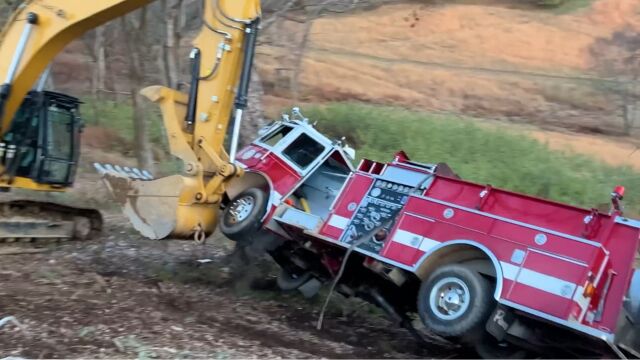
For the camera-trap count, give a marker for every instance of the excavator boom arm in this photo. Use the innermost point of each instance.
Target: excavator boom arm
(196, 123)
(39, 30)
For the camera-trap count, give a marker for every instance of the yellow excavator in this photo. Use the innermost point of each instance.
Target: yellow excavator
(39, 130)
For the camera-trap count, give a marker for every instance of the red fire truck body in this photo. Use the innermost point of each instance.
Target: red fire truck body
(559, 265)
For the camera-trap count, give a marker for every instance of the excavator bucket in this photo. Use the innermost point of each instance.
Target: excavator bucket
(153, 205)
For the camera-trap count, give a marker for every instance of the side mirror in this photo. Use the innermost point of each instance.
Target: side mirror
(351, 152)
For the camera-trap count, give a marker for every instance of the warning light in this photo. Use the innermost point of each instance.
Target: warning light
(616, 199)
(589, 290)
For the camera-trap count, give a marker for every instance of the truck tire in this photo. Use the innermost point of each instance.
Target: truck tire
(241, 219)
(455, 302)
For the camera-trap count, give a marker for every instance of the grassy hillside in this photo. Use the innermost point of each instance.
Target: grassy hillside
(565, 6)
(476, 153)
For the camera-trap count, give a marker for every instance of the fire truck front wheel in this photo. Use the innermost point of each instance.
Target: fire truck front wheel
(455, 302)
(241, 218)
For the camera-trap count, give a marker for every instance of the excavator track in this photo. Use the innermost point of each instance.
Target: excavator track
(28, 221)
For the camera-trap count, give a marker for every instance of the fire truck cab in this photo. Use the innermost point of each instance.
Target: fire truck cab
(497, 270)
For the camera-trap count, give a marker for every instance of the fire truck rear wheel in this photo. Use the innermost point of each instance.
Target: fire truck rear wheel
(241, 218)
(455, 302)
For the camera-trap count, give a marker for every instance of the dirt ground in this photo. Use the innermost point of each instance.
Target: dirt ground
(122, 296)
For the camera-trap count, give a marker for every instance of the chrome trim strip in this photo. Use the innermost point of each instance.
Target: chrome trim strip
(579, 327)
(547, 283)
(344, 185)
(514, 222)
(417, 167)
(417, 216)
(577, 262)
(629, 222)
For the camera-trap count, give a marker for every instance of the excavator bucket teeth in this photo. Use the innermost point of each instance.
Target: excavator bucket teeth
(150, 204)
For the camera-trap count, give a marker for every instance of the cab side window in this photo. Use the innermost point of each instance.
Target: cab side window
(273, 138)
(303, 151)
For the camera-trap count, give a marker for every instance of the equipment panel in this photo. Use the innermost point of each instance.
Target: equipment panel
(376, 215)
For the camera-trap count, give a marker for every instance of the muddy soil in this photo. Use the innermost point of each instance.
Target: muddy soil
(124, 296)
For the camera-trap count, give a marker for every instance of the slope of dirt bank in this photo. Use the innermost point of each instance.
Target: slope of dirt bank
(122, 296)
(444, 57)
(478, 33)
(607, 150)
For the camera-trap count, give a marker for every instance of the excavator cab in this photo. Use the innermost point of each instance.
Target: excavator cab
(43, 143)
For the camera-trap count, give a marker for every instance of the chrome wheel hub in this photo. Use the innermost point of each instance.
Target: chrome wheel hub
(240, 209)
(449, 298)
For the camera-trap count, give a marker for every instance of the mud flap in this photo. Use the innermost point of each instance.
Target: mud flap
(310, 288)
(499, 322)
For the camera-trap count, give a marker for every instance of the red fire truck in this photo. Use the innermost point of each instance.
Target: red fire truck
(484, 266)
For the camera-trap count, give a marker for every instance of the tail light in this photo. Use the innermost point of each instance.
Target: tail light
(589, 290)
(589, 287)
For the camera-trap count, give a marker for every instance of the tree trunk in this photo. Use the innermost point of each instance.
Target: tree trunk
(134, 40)
(173, 16)
(98, 72)
(299, 59)
(101, 60)
(254, 115)
(142, 146)
(299, 51)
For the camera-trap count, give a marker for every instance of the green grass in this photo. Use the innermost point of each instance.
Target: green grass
(118, 116)
(478, 153)
(562, 7)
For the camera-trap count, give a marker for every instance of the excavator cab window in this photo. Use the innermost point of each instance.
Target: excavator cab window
(45, 139)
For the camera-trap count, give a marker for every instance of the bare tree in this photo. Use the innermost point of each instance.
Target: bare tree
(134, 27)
(95, 42)
(313, 11)
(173, 10)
